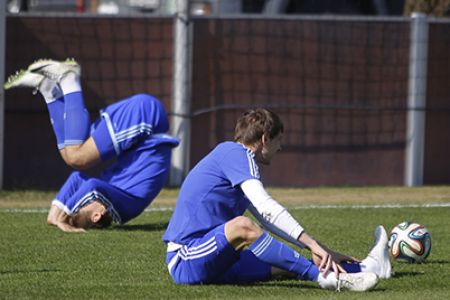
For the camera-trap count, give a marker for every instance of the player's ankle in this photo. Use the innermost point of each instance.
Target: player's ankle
(327, 282)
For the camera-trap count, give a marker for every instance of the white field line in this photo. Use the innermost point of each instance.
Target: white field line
(300, 207)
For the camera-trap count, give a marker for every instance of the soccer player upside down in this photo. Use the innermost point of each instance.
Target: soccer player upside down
(132, 131)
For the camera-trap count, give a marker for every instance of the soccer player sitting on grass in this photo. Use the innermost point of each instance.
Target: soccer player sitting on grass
(210, 241)
(132, 131)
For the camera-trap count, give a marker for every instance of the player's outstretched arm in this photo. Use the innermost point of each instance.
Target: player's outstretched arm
(53, 214)
(67, 227)
(340, 257)
(60, 219)
(278, 220)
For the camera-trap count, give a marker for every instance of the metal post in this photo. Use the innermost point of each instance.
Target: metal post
(415, 139)
(273, 7)
(181, 123)
(2, 79)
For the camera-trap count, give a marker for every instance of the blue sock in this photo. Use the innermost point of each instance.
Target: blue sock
(351, 267)
(77, 121)
(278, 254)
(56, 111)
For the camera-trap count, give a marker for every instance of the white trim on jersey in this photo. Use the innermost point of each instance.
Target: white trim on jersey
(73, 142)
(60, 205)
(163, 136)
(85, 200)
(254, 170)
(105, 201)
(111, 132)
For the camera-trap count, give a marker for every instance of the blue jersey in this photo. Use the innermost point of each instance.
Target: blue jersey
(211, 195)
(134, 132)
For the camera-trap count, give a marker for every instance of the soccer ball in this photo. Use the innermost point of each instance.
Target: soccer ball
(410, 242)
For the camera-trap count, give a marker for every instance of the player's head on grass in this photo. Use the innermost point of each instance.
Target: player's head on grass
(93, 215)
(261, 131)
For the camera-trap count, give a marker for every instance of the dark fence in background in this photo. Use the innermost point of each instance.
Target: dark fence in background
(437, 134)
(340, 86)
(119, 57)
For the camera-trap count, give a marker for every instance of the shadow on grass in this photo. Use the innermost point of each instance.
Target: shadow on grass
(279, 283)
(141, 227)
(293, 285)
(406, 274)
(436, 262)
(28, 271)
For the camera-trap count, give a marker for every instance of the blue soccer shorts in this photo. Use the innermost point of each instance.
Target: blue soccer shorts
(127, 122)
(211, 259)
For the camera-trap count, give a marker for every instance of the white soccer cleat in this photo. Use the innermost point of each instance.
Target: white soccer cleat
(378, 259)
(357, 282)
(24, 78)
(53, 69)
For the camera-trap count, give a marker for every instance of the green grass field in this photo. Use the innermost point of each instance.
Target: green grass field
(40, 262)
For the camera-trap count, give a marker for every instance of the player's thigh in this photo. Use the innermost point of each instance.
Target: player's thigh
(126, 123)
(203, 259)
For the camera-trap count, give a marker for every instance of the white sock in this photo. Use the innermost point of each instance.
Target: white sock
(50, 90)
(369, 264)
(70, 83)
(328, 282)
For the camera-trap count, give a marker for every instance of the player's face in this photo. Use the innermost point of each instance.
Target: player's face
(270, 148)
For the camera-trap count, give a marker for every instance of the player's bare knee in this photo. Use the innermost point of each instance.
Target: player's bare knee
(74, 162)
(51, 218)
(245, 228)
(75, 159)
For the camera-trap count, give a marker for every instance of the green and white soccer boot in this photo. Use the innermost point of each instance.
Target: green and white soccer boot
(24, 78)
(53, 69)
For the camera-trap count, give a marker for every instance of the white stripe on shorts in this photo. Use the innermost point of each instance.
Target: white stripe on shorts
(172, 263)
(191, 253)
(134, 131)
(198, 251)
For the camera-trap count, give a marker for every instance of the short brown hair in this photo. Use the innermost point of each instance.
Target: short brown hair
(83, 220)
(105, 221)
(251, 126)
